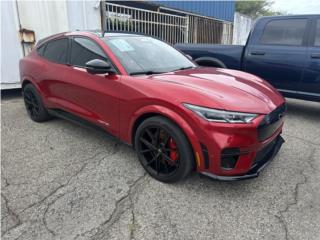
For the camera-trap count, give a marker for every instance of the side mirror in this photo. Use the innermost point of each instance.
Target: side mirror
(97, 66)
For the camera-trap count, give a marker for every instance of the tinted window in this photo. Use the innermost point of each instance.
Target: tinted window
(56, 51)
(84, 50)
(40, 49)
(317, 40)
(284, 32)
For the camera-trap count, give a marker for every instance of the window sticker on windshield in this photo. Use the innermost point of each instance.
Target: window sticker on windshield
(122, 45)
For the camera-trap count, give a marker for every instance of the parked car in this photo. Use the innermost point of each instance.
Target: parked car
(179, 117)
(284, 50)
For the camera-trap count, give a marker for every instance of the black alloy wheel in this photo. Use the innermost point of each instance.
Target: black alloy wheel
(163, 149)
(34, 105)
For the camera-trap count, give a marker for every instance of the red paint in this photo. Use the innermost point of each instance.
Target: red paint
(115, 102)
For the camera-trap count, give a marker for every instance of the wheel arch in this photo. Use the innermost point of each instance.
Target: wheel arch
(29, 80)
(176, 119)
(210, 61)
(25, 82)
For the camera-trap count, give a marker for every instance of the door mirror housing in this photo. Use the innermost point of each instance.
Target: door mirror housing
(98, 66)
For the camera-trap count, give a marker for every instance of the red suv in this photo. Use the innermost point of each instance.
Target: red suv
(178, 116)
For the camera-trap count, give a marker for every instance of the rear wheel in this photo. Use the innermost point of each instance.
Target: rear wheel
(163, 150)
(35, 108)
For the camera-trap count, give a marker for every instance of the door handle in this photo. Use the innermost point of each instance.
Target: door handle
(315, 55)
(260, 53)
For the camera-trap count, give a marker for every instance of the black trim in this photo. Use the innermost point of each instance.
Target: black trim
(205, 155)
(271, 122)
(229, 158)
(256, 169)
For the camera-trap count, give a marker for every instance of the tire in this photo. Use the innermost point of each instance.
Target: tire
(168, 142)
(34, 105)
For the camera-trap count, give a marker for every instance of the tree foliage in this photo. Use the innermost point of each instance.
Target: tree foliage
(256, 8)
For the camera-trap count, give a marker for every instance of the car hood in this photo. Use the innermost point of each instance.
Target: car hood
(228, 89)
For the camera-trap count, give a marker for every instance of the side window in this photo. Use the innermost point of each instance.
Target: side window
(317, 39)
(56, 51)
(84, 50)
(40, 49)
(284, 32)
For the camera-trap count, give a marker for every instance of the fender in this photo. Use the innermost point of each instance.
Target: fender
(33, 82)
(214, 61)
(30, 80)
(176, 118)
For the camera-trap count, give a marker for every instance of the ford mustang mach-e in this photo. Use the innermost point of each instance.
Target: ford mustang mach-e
(179, 117)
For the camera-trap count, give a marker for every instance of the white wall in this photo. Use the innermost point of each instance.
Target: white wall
(11, 50)
(83, 15)
(241, 28)
(44, 18)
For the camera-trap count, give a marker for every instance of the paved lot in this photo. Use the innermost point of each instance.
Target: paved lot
(63, 181)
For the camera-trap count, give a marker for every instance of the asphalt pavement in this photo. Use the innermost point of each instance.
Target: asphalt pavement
(63, 181)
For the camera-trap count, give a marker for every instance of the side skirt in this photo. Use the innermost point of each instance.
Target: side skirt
(84, 123)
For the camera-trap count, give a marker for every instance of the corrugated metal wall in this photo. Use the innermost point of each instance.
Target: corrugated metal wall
(223, 10)
(241, 28)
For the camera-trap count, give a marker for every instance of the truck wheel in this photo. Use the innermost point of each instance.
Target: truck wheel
(210, 62)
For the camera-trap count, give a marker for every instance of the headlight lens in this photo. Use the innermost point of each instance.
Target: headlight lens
(215, 115)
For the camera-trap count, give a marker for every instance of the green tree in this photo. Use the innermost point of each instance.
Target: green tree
(256, 8)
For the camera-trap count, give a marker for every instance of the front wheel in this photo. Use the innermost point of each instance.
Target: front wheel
(163, 150)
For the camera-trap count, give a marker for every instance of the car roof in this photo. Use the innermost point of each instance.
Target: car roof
(103, 34)
(98, 33)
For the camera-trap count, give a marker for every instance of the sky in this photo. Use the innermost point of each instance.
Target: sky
(297, 6)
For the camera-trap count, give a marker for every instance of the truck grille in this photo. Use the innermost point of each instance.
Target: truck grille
(271, 122)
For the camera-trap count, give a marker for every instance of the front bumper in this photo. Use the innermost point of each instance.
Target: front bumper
(256, 168)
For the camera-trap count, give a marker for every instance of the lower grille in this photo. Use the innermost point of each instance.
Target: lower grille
(271, 123)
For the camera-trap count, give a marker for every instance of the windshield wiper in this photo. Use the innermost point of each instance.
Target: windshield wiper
(183, 68)
(145, 72)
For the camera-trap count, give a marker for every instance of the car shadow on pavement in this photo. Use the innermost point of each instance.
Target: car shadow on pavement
(305, 109)
(9, 94)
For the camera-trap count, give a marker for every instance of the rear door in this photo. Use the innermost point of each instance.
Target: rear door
(310, 84)
(94, 97)
(277, 52)
(53, 68)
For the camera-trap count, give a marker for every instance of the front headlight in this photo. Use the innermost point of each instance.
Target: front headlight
(215, 115)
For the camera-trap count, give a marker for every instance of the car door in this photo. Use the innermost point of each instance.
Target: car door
(53, 67)
(278, 52)
(310, 84)
(93, 97)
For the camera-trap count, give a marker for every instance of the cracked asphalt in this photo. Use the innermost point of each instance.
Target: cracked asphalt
(62, 181)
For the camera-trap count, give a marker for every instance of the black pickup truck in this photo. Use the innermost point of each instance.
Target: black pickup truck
(284, 50)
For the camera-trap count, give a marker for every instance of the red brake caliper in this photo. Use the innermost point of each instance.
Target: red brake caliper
(173, 150)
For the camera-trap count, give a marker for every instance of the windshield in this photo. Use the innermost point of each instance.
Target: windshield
(146, 55)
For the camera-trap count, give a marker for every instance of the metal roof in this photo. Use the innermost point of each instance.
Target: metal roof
(223, 10)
